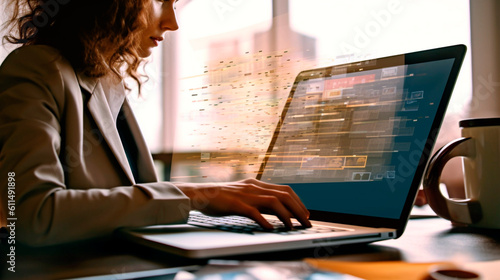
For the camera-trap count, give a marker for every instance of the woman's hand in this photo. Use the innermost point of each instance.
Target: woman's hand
(248, 198)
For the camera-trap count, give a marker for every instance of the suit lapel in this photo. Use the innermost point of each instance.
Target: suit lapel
(144, 160)
(99, 109)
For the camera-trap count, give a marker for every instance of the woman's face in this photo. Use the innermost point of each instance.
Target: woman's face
(161, 17)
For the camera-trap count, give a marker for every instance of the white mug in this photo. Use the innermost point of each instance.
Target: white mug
(480, 149)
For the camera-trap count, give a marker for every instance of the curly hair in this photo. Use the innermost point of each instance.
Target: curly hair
(98, 37)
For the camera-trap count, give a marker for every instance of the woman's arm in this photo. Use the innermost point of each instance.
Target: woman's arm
(36, 87)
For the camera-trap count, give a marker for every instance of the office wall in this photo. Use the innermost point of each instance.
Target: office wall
(485, 49)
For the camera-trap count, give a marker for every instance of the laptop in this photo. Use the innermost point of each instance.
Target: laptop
(352, 141)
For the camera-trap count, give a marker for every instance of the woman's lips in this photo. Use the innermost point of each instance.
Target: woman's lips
(156, 40)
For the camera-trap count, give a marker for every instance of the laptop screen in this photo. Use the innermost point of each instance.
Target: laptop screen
(354, 138)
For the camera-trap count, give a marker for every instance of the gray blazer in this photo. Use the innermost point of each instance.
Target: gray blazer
(72, 177)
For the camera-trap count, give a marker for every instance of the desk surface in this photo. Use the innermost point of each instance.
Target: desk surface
(425, 240)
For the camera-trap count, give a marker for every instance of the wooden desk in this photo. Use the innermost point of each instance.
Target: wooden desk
(425, 240)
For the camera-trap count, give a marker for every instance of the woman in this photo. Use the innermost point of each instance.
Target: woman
(70, 141)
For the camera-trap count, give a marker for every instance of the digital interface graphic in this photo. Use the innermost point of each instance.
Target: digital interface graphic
(344, 127)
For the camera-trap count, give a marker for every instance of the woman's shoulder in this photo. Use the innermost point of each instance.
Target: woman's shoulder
(39, 63)
(40, 66)
(38, 51)
(35, 56)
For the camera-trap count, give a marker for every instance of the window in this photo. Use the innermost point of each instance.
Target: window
(382, 28)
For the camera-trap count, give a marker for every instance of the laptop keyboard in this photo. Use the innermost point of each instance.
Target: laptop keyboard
(240, 224)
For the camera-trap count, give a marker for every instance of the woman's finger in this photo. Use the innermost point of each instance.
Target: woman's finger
(286, 198)
(284, 188)
(253, 213)
(278, 205)
(256, 204)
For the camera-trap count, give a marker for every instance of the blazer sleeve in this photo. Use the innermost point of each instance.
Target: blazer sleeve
(47, 211)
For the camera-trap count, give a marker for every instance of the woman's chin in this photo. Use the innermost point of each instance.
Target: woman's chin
(144, 53)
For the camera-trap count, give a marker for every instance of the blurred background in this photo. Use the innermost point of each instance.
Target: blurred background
(218, 84)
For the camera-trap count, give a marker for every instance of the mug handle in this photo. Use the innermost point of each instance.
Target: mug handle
(466, 211)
